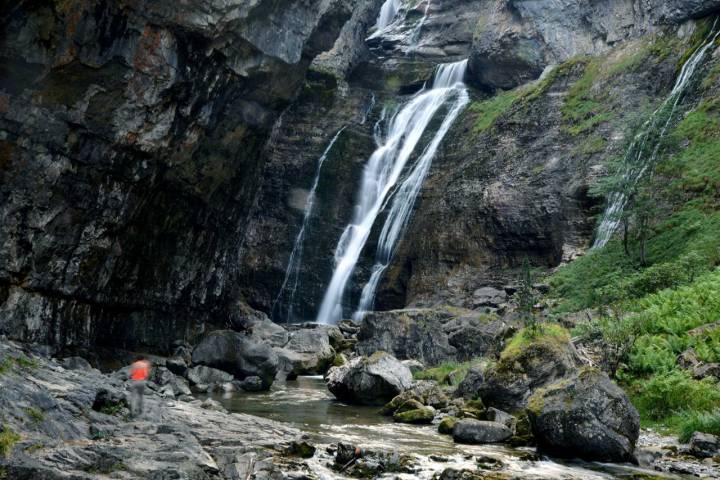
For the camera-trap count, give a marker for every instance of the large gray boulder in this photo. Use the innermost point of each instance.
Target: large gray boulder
(237, 354)
(308, 352)
(469, 430)
(525, 365)
(585, 416)
(369, 380)
(432, 335)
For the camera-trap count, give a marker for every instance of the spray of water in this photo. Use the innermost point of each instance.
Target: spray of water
(383, 172)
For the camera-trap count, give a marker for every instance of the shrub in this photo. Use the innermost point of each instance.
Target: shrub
(675, 392)
(705, 422)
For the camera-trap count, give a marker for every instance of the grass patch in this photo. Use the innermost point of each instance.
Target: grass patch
(447, 373)
(673, 393)
(546, 332)
(8, 438)
(705, 422)
(487, 111)
(35, 414)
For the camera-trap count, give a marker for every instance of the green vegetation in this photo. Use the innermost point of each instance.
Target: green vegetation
(7, 363)
(706, 422)
(35, 414)
(545, 332)
(487, 111)
(8, 438)
(447, 373)
(655, 291)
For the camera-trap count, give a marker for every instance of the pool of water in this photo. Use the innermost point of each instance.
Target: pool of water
(306, 404)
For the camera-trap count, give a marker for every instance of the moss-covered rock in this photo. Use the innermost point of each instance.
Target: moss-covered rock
(530, 361)
(419, 415)
(585, 416)
(446, 425)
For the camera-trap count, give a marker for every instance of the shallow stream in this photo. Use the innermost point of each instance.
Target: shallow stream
(306, 404)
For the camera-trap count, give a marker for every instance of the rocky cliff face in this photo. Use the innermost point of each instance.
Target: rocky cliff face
(516, 39)
(155, 157)
(131, 136)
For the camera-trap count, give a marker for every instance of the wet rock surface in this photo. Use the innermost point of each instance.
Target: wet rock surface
(369, 380)
(75, 424)
(433, 336)
(585, 416)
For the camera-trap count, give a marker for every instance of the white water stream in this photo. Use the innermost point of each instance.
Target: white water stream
(643, 151)
(384, 170)
(292, 273)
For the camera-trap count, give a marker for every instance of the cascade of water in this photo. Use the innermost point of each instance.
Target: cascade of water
(388, 12)
(415, 35)
(369, 109)
(643, 151)
(292, 273)
(382, 172)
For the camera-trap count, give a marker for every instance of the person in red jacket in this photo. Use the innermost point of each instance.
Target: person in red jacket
(139, 373)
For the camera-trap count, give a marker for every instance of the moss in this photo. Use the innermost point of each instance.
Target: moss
(488, 111)
(551, 335)
(446, 425)
(419, 415)
(8, 439)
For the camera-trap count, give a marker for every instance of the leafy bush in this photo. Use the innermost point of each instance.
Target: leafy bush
(705, 422)
(675, 392)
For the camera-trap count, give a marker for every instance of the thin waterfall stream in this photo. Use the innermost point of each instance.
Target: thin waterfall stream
(637, 160)
(383, 171)
(292, 273)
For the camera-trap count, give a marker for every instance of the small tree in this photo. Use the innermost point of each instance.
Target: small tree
(526, 298)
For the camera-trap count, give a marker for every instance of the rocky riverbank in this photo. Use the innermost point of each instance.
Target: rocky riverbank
(65, 419)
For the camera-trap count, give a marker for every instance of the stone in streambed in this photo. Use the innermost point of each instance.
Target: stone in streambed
(422, 415)
(447, 425)
(237, 354)
(704, 445)
(585, 416)
(202, 375)
(369, 380)
(479, 432)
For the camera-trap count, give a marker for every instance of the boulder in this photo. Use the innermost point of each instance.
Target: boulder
(422, 415)
(477, 432)
(202, 375)
(492, 414)
(446, 425)
(704, 445)
(476, 335)
(585, 416)
(308, 352)
(407, 334)
(424, 392)
(251, 384)
(470, 386)
(369, 380)
(237, 354)
(266, 331)
(75, 363)
(433, 335)
(489, 297)
(529, 362)
(176, 365)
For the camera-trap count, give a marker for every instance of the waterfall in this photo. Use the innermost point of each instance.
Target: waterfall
(383, 171)
(292, 273)
(388, 12)
(417, 31)
(636, 162)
